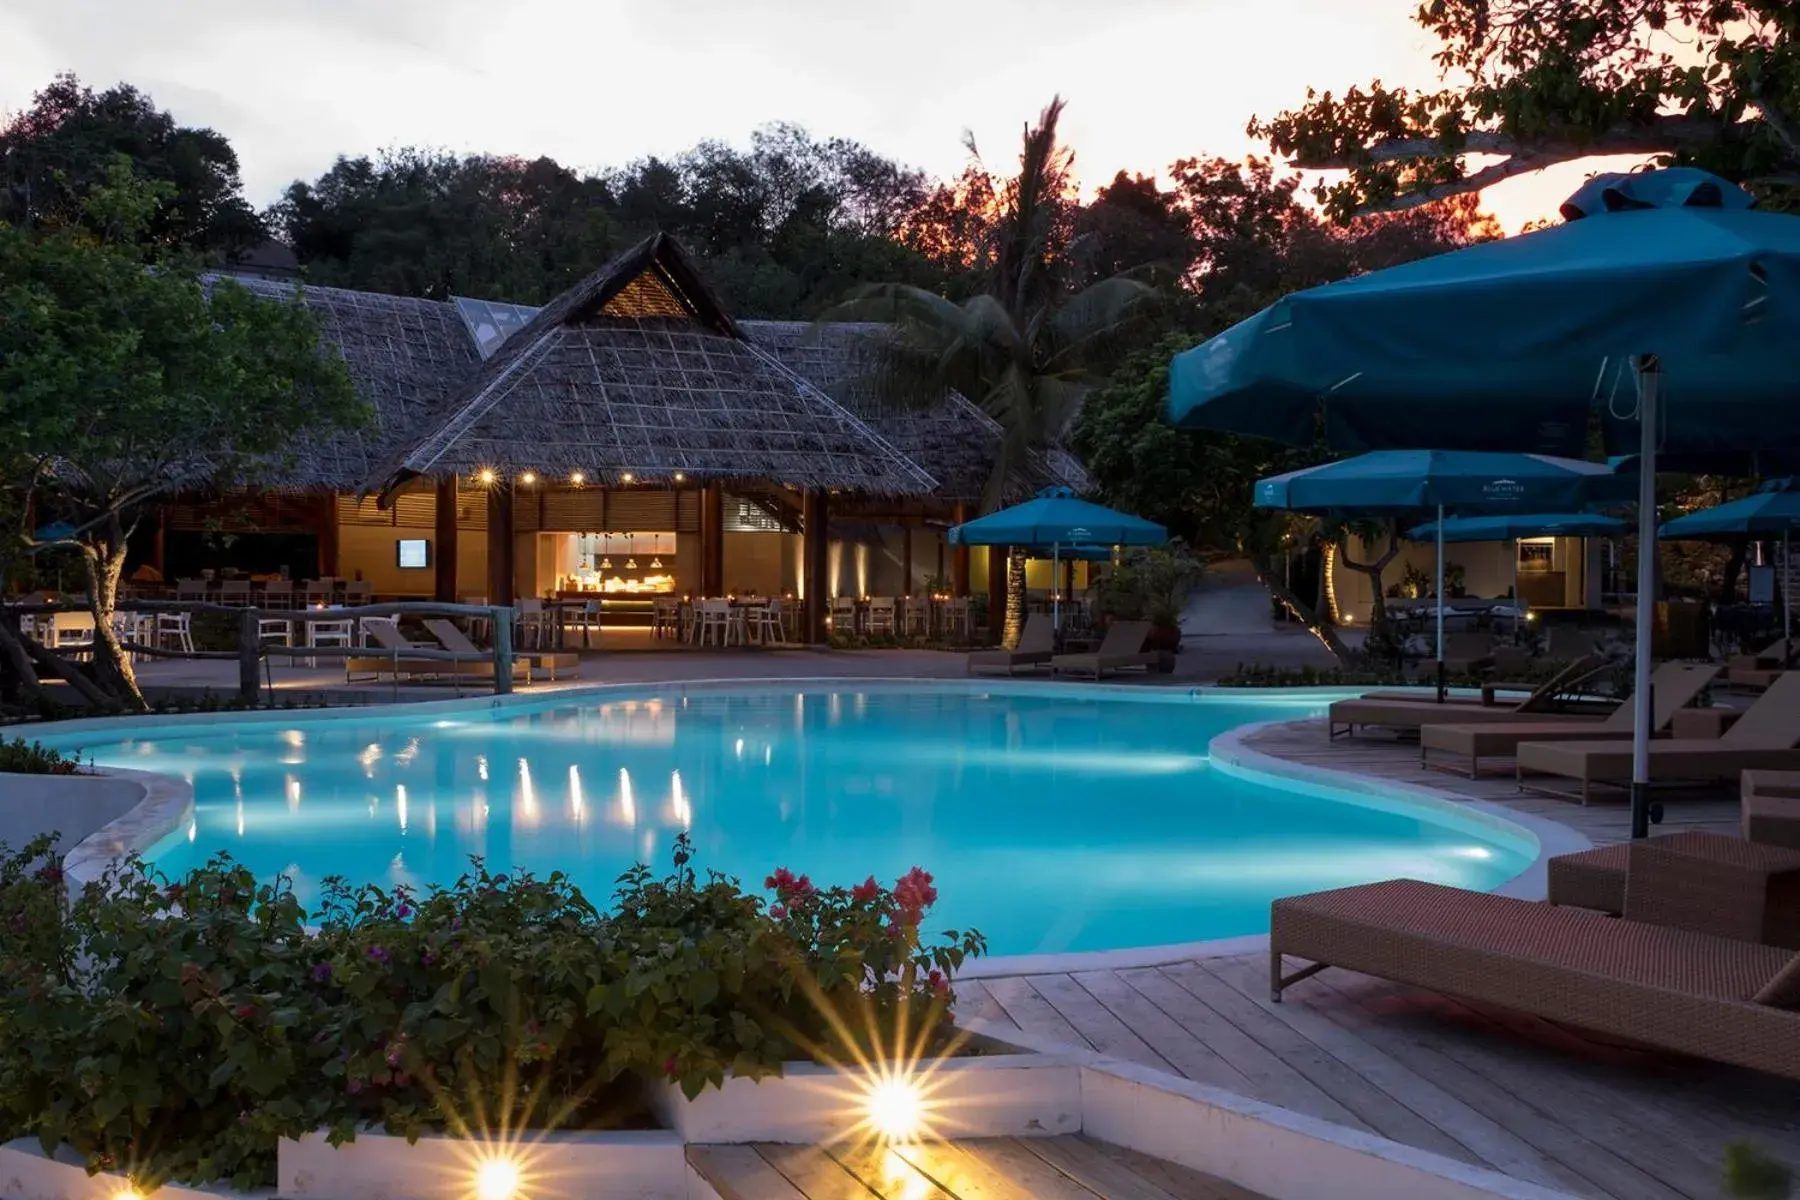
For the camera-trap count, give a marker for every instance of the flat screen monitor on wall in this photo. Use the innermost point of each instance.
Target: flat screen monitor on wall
(414, 553)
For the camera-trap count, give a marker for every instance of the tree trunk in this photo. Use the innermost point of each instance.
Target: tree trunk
(69, 673)
(1308, 615)
(105, 560)
(1378, 622)
(18, 675)
(1734, 568)
(1015, 596)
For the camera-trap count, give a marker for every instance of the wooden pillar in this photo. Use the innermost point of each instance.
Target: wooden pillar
(500, 544)
(997, 593)
(815, 566)
(1067, 584)
(959, 557)
(906, 579)
(444, 533)
(712, 540)
(328, 536)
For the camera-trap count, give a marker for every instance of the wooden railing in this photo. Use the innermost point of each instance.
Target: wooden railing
(252, 651)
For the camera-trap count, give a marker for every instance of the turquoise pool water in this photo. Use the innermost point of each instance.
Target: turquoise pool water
(1054, 819)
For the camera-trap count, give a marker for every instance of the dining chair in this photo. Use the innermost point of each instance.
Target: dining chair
(665, 616)
(771, 630)
(918, 616)
(235, 592)
(715, 622)
(190, 589)
(275, 629)
(317, 591)
(278, 593)
(881, 614)
(329, 633)
(175, 631)
(358, 591)
(843, 614)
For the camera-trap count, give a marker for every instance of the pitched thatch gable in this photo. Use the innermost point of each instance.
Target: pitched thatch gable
(638, 370)
(404, 355)
(952, 439)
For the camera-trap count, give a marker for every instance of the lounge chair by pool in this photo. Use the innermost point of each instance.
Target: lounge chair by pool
(1674, 686)
(547, 661)
(1121, 649)
(1037, 646)
(1408, 713)
(1765, 738)
(1681, 988)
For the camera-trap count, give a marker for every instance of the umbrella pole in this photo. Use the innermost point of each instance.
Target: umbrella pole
(1442, 688)
(1055, 588)
(1787, 577)
(1649, 377)
(1518, 600)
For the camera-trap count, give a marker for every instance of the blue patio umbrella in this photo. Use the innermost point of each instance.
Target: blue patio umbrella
(1774, 509)
(1055, 517)
(1510, 527)
(1664, 305)
(1405, 483)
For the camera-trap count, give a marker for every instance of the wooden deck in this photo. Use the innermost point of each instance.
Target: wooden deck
(1060, 1168)
(1387, 757)
(1483, 1085)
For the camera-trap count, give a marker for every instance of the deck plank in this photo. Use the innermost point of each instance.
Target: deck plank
(990, 1169)
(1034, 1014)
(1172, 1177)
(889, 1175)
(1524, 1142)
(1269, 1077)
(1102, 1030)
(740, 1173)
(816, 1174)
(1188, 1053)
(974, 1000)
(1117, 1178)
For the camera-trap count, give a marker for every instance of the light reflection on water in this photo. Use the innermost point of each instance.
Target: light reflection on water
(1053, 821)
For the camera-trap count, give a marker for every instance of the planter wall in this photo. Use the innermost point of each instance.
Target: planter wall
(75, 806)
(1003, 1095)
(624, 1165)
(26, 1174)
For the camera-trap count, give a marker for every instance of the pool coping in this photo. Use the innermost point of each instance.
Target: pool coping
(169, 799)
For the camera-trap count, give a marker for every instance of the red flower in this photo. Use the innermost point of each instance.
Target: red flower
(779, 912)
(50, 874)
(670, 1067)
(865, 891)
(938, 983)
(913, 894)
(780, 881)
(246, 1011)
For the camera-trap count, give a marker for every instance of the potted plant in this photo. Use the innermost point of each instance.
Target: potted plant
(1152, 584)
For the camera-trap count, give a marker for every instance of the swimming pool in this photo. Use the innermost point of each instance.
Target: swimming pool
(1055, 819)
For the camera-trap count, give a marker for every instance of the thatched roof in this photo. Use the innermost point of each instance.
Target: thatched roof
(637, 372)
(404, 356)
(953, 439)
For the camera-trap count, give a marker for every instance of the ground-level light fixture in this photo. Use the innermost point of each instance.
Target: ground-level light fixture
(496, 1179)
(128, 1193)
(894, 1108)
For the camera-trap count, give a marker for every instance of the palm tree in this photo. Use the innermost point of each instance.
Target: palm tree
(1029, 347)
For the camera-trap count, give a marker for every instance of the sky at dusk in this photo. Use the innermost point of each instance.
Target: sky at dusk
(596, 83)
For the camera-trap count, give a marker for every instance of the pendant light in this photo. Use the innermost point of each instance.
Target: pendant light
(630, 555)
(605, 555)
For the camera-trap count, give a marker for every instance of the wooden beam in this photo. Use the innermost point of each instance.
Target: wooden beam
(328, 536)
(444, 534)
(712, 540)
(815, 566)
(959, 559)
(501, 548)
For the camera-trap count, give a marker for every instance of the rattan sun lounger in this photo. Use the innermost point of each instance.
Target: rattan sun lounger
(1764, 738)
(396, 665)
(1640, 977)
(1037, 646)
(1121, 649)
(547, 661)
(1408, 714)
(1674, 686)
(1747, 890)
(1774, 656)
(1770, 807)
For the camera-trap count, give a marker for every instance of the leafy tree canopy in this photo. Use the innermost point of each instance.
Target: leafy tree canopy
(1713, 83)
(120, 383)
(54, 154)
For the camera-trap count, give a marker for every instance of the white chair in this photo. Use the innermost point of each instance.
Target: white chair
(190, 589)
(329, 633)
(533, 622)
(235, 592)
(714, 622)
(175, 631)
(843, 615)
(318, 592)
(134, 627)
(275, 629)
(881, 614)
(769, 628)
(278, 593)
(357, 591)
(918, 616)
(73, 632)
(957, 617)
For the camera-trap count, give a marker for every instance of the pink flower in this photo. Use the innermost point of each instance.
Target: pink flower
(865, 891)
(913, 894)
(779, 912)
(670, 1067)
(780, 881)
(246, 1011)
(937, 982)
